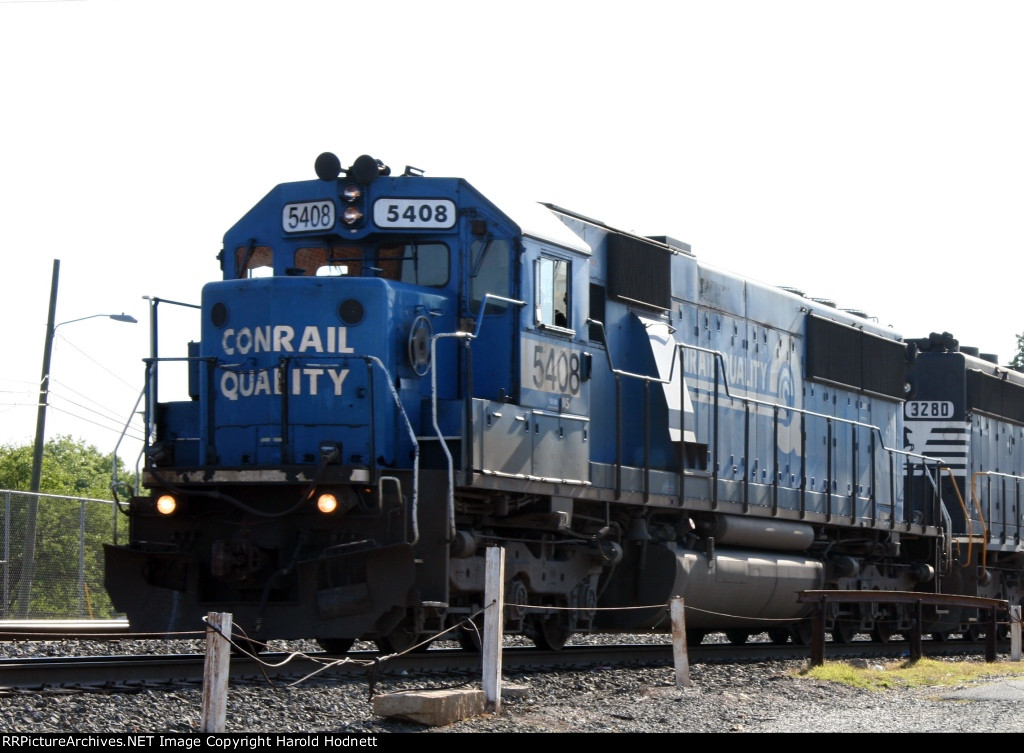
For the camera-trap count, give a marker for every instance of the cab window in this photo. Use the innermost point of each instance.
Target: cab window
(415, 263)
(254, 261)
(489, 273)
(333, 261)
(552, 292)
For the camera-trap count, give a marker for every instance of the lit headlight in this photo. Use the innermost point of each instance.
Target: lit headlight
(327, 503)
(166, 504)
(351, 215)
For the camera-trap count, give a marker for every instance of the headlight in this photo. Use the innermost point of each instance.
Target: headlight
(166, 504)
(352, 215)
(327, 503)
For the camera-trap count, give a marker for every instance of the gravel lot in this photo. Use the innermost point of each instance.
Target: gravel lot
(760, 698)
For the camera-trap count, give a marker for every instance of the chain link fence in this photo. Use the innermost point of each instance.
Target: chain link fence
(57, 573)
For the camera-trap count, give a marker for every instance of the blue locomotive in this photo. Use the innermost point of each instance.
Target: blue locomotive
(395, 373)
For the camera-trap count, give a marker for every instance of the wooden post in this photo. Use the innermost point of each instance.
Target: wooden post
(216, 671)
(990, 636)
(494, 626)
(818, 633)
(1015, 633)
(915, 632)
(679, 652)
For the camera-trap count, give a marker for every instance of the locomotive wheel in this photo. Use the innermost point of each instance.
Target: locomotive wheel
(402, 638)
(737, 636)
(550, 634)
(336, 645)
(471, 635)
(694, 637)
(973, 633)
(882, 632)
(843, 631)
(801, 633)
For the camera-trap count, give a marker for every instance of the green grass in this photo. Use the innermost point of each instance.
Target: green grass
(910, 674)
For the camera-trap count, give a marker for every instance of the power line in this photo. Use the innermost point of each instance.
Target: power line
(100, 408)
(117, 430)
(97, 363)
(110, 417)
(115, 423)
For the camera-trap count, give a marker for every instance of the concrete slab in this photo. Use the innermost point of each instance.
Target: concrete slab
(433, 708)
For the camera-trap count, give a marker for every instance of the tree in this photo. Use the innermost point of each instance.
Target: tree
(70, 533)
(70, 467)
(1018, 360)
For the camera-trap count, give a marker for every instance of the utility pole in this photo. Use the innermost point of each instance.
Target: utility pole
(32, 510)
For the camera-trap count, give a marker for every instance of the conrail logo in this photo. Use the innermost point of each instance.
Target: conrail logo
(238, 383)
(283, 338)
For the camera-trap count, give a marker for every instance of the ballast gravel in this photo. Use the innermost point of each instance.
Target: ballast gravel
(765, 697)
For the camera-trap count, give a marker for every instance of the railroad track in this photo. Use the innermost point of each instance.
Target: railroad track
(126, 672)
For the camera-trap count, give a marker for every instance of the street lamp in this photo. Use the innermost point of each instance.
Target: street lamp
(28, 560)
(44, 391)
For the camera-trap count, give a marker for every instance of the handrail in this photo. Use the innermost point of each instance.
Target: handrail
(647, 381)
(720, 373)
(719, 358)
(981, 516)
(967, 520)
(437, 427)
(721, 386)
(468, 337)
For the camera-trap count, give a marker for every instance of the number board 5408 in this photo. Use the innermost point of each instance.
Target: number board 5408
(551, 368)
(305, 216)
(436, 214)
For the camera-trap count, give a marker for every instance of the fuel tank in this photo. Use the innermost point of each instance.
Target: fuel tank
(721, 588)
(737, 588)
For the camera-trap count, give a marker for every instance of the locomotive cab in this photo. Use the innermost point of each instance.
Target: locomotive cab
(363, 322)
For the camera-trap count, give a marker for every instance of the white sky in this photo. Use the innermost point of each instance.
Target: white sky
(867, 152)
